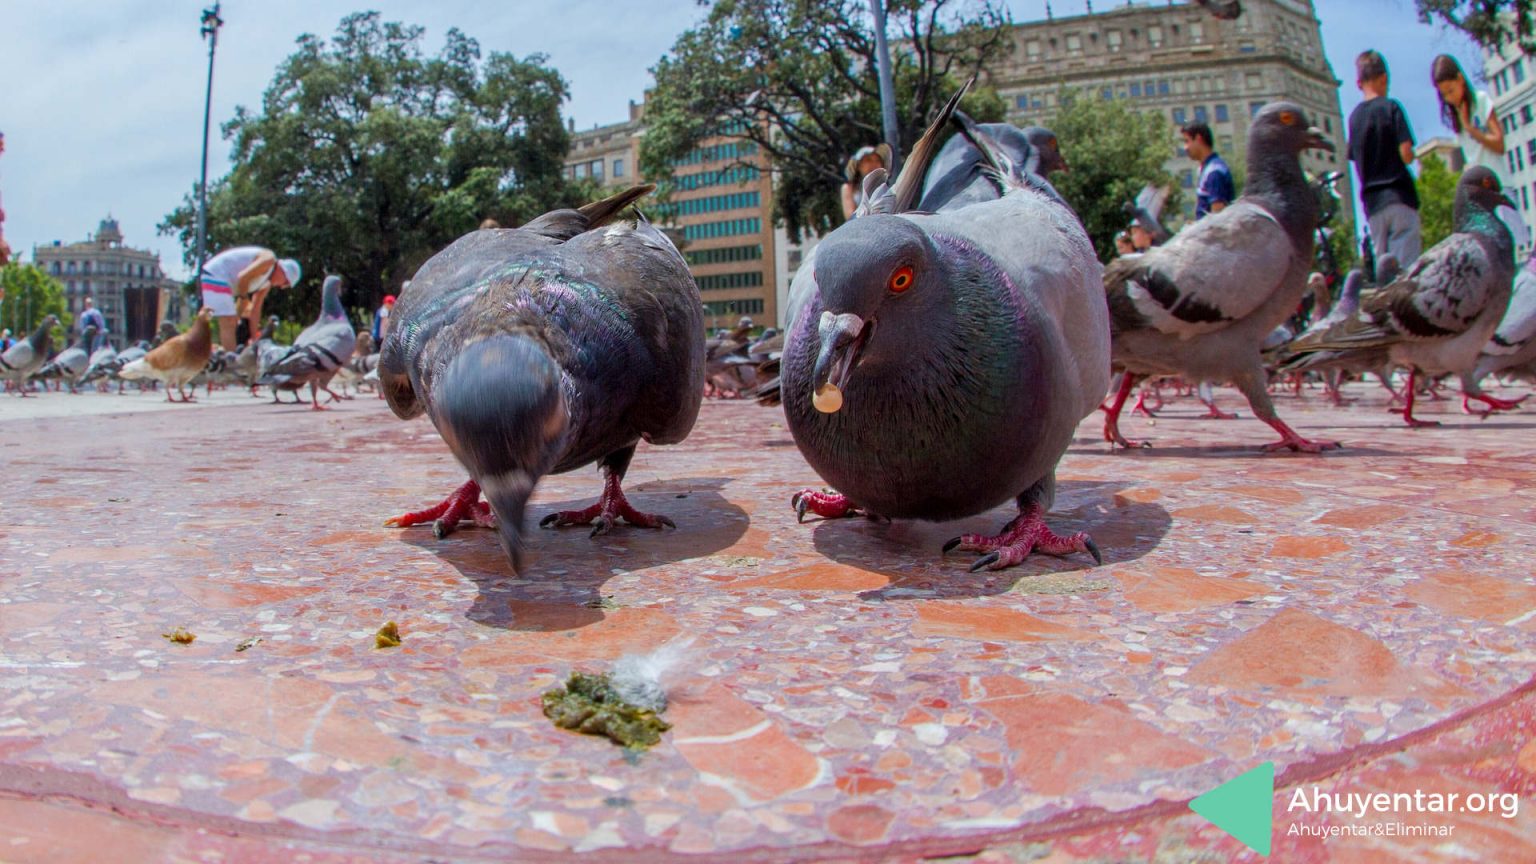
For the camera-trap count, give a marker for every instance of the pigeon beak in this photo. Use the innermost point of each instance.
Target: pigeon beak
(508, 494)
(1316, 141)
(843, 338)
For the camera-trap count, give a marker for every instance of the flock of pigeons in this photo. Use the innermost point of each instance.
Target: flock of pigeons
(326, 350)
(944, 344)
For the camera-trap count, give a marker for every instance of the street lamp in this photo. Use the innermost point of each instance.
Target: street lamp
(887, 86)
(211, 24)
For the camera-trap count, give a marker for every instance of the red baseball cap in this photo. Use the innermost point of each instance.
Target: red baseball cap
(389, 299)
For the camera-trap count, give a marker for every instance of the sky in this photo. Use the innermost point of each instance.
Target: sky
(102, 107)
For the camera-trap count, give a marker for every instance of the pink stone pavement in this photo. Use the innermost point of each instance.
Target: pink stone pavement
(1366, 620)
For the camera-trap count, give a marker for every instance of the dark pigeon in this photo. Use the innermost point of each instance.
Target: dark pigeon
(21, 360)
(102, 361)
(1438, 316)
(1201, 306)
(545, 348)
(321, 349)
(940, 362)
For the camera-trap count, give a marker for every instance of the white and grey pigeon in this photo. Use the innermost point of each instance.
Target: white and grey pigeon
(940, 362)
(1513, 346)
(101, 363)
(72, 362)
(28, 355)
(1440, 314)
(111, 369)
(319, 350)
(1201, 305)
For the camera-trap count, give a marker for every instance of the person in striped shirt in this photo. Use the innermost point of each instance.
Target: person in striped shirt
(235, 283)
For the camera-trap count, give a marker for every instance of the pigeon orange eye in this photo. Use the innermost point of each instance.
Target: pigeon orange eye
(901, 280)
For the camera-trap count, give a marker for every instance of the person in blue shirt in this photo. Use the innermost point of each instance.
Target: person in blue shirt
(92, 316)
(1215, 189)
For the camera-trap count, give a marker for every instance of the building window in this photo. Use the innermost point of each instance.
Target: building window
(1530, 147)
(1519, 71)
(1074, 43)
(1254, 108)
(597, 169)
(1135, 89)
(581, 170)
(1112, 40)
(1511, 157)
(71, 286)
(1162, 87)
(1032, 49)
(1525, 115)
(1525, 201)
(1155, 35)
(54, 268)
(618, 167)
(1200, 115)
(1178, 117)
(1221, 113)
(1022, 102)
(1196, 32)
(1106, 94)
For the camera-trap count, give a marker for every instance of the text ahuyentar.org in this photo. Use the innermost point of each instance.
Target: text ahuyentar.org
(1506, 804)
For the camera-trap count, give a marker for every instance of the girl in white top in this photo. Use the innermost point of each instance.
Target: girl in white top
(1469, 113)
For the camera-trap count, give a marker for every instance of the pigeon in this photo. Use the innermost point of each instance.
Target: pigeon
(362, 360)
(70, 363)
(545, 348)
(958, 177)
(941, 362)
(1513, 346)
(27, 356)
(103, 362)
(221, 370)
(178, 359)
(1439, 315)
(248, 359)
(321, 349)
(1201, 305)
(726, 362)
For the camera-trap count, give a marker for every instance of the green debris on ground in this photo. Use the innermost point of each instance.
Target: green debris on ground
(589, 704)
(387, 637)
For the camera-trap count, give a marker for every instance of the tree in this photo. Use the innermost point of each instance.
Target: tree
(1113, 152)
(1490, 23)
(367, 156)
(1437, 197)
(30, 296)
(797, 78)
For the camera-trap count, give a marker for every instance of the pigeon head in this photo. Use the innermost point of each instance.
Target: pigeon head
(1480, 188)
(44, 331)
(1283, 127)
(1349, 298)
(1045, 143)
(330, 297)
(873, 272)
(499, 407)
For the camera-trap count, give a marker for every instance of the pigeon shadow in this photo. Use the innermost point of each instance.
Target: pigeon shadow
(564, 569)
(1224, 451)
(909, 552)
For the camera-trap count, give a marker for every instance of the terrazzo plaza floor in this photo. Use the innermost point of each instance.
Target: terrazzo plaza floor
(1364, 619)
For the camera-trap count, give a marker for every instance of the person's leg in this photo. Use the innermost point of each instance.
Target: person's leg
(226, 331)
(219, 300)
(258, 299)
(1409, 239)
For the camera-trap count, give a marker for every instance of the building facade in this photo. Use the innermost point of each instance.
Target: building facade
(719, 213)
(127, 284)
(1179, 61)
(1509, 74)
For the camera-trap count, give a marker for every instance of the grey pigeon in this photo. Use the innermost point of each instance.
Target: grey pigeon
(545, 348)
(101, 364)
(1513, 346)
(1201, 305)
(1439, 315)
(318, 352)
(27, 356)
(940, 362)
(248, 359)
(363, 359)
(136, 351)
(72, 362)
(958, 176)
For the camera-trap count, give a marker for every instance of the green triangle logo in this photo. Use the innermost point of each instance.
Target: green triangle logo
(1243, 807)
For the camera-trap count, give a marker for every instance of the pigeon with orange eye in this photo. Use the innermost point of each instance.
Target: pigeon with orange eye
(939, 363)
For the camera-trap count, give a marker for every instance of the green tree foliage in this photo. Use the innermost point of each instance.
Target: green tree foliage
(368, 156)
(1437, 197)
(797, 78)
(1113, 152)
(1491, 23)
(30, 296)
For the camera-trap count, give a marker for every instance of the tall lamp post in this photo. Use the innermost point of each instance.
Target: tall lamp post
(211, 24)
(887, 85)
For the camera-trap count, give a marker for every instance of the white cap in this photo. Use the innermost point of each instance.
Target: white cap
(291, 270)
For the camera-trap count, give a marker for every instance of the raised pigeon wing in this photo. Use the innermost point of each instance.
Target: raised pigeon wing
(1211, 274)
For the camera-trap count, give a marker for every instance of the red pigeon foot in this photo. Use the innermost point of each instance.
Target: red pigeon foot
(827, 505)
(463, 503)
(1025, 534)
(606, 513)
(1493, 403)
(1289, 439)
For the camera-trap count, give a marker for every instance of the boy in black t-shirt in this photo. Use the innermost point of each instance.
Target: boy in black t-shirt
(1381, 146)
